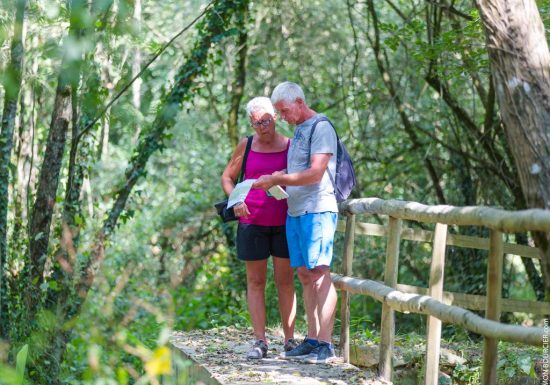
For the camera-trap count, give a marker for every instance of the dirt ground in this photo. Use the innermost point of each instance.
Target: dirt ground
(223, 351)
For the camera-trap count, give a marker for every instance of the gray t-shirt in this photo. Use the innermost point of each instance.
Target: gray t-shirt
(318, 197)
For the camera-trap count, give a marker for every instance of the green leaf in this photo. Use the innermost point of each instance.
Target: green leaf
(510, 371)
(525, 364)
(21, 362)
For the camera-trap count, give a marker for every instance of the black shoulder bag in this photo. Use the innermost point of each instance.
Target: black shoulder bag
(227, 214)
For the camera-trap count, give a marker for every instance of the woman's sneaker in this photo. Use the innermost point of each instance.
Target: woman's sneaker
(290, 344)
(299, 352)
(258, 351)
(322, 354)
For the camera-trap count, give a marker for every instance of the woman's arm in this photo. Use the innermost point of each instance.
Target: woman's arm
(233, 168)
(230, 175)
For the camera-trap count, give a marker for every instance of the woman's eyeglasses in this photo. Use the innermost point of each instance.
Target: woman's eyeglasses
(262, 123)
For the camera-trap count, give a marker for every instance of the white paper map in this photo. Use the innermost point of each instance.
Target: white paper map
(241, 190)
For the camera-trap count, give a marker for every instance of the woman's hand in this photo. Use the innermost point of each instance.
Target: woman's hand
(241, 210)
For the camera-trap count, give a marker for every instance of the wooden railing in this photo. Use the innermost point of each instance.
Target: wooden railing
(437, 304)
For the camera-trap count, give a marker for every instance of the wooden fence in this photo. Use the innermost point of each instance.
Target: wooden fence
(437, 304)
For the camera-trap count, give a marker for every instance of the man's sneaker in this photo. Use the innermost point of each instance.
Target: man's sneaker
(299, 351)
(258, 351)
(290, 344)
(322, 354)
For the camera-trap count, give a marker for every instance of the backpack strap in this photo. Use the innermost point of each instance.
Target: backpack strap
(325, 119)
(245, 157)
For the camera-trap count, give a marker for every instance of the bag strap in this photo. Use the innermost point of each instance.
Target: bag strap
(245, 157)
(325, 119)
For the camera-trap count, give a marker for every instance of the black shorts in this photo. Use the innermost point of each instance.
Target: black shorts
(255, 243)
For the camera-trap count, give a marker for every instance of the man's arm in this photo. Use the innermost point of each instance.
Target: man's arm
(312, 175)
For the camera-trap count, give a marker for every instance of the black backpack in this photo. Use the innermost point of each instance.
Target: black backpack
(344, 180)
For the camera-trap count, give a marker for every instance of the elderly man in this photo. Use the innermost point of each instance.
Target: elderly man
(312, 216)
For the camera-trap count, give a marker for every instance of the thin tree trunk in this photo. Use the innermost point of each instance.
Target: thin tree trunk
(520, 63)
(136, 68)
(103, 145)
(17, 190)
(237, 87)
(12, 87)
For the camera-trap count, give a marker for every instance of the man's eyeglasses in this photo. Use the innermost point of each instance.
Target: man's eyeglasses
(262, 123)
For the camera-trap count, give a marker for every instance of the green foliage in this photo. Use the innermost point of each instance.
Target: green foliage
(170, 264)
(514, 362)
(21, 362)
(10, 376)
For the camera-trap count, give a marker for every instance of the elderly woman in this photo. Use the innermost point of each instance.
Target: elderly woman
(261, 230)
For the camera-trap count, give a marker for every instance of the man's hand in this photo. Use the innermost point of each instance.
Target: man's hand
(264, 182)
(241, 210)
(282, 172)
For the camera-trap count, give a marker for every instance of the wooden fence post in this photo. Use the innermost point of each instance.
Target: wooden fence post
(492, 307)
(437, 268)
(349, 240)
(387, 333)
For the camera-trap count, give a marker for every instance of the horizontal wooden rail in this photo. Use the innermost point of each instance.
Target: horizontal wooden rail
(477, 302)
(496, 219)
(466, 241)
(421, 304)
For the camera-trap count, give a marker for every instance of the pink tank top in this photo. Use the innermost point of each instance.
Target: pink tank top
(264, 210)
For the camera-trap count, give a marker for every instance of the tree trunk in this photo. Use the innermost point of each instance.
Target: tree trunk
(50, 170)
(47, 185)
(237, 87)
(12, 87)
(520, 63)
(136, 68)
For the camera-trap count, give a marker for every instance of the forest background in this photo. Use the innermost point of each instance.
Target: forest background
(114, 137)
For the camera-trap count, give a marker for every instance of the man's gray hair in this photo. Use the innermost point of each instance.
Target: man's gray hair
(260, 103)
(288, 92)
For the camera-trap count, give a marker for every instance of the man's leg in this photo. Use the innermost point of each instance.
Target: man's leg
(296, 260)
(256, 273)
(320, 301)
(323, 296)
(326, 304)
(284, 281)
(319, 258)
(307, 279)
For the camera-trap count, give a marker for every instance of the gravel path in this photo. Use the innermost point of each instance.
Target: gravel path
(222, 352)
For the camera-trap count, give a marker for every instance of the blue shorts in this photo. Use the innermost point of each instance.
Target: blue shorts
(310, 239)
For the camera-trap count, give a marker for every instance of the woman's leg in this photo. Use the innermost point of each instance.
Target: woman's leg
(256, 273)
(284, 281)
